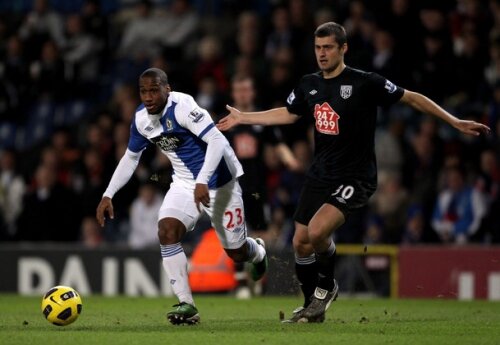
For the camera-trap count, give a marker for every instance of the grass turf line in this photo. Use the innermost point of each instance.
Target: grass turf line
(225, 320)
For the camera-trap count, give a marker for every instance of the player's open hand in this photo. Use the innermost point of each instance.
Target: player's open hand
(201, 195)
(231, 120)
(104, 208)
(472, 127)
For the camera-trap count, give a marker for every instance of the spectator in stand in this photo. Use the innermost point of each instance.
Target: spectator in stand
(143, 217)
(178, 28)
(471, 59)
(96, 24)
(14, 82)
(81, 57)
(488, 180)
(402, 22)
(360, 43)
(91, 234)
(139, 38)
(435, 69)
(248, 143)
(385, 60)
(90, 180)
(420, 172)
(12, 189)
(211, 63)
(415, 226)
(493, 109)
(390, 203)
(488, 183)
(209, 97)
(459, 208)
(47, 74)
(390, 147)
(39, 26)
(281, 34)
(50, 212)
(279, 81)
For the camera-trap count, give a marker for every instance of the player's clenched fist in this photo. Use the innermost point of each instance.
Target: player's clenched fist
(104, 207)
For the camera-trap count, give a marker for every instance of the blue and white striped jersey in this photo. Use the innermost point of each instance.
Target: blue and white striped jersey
(182, 133)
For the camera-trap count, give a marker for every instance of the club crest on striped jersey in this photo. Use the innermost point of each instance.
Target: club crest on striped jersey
(345, 91)
(327, 120)
(169, 125)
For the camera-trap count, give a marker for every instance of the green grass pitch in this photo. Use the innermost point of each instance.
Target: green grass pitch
(224, 320)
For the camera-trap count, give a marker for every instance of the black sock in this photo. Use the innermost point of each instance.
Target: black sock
(307, 275)
(326, 268)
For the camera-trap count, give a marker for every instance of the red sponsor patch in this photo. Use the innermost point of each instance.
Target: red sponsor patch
(327, 120)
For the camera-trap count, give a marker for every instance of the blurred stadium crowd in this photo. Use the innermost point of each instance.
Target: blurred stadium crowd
(68, 91)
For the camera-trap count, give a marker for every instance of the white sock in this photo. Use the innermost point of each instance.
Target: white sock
(175, 265)
(256, 252)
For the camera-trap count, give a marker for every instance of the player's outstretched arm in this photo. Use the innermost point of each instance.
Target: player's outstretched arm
(426, 105)
(276, 116)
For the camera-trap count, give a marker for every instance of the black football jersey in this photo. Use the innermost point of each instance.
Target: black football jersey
(344, 110)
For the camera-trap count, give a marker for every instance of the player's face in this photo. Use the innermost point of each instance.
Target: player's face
(153, 94)
(329, 55)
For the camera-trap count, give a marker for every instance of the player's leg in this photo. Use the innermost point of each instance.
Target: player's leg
(305, 262)
(348, 196)
(305, 269)
(322, 225)
(228, 218)
(312, 196)
(177, 215)
(256, 225)
(242, 290)
(321, 228)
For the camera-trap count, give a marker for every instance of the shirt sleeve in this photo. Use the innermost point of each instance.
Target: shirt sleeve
(136, 142)
(383, 91)
(192, 117)
(197, 120)
(123, 172)
(216, 145)
(296, 102)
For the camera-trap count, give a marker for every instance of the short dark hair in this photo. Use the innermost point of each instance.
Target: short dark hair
(156, 73)
(332, 29)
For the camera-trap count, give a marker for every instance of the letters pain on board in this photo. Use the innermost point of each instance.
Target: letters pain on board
(133, 273)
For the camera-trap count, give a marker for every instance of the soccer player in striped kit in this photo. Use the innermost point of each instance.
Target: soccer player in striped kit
(205, 179)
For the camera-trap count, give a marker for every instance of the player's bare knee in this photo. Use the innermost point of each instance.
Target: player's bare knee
(317, 237)
(301, 247)
(170, 232)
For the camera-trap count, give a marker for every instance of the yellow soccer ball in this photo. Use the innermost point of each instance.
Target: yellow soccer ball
(61, 305)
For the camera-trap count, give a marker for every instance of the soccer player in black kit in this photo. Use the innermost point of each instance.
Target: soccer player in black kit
(343, 174)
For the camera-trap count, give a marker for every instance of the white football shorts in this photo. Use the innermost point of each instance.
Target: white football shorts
(226, 211)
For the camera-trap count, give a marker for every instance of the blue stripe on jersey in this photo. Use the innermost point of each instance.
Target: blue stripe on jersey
(193, 149)
(136, 142)
(169, 114)
(205, 131)
(221, 176)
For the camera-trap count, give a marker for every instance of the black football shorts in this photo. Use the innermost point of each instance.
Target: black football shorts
(347, 195)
